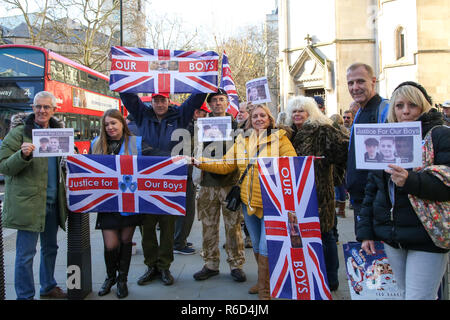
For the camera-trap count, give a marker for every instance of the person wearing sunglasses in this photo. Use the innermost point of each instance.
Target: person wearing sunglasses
(348, 119)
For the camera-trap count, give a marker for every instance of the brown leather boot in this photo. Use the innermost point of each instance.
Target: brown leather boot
(263, 278)
(341, 208)
(254, 289)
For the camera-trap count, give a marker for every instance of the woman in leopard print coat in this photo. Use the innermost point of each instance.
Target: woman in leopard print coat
(314, 135)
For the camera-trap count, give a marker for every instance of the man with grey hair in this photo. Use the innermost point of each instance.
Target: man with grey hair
(373, 109)
(35, 202)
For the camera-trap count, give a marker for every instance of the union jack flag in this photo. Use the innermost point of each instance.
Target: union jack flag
(163, 71)
(291, 218)
(127, 184)
(227, 83)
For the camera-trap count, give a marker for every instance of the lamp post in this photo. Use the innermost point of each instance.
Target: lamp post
(121, 24)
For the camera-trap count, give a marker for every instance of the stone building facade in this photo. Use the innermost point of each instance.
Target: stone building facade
(401, 39)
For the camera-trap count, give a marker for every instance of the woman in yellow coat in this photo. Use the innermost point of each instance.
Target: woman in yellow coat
(262, 136)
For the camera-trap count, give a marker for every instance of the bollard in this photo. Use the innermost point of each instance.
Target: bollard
(79, 267)
(2, 262)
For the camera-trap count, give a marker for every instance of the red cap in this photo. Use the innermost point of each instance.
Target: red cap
(204, 107)
(165, 95)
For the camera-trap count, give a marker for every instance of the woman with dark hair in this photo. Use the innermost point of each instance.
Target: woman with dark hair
(264, 137)
(117, 229)
(397, 199)
(315, 135)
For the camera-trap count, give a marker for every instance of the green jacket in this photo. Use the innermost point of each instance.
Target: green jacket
(25, 201)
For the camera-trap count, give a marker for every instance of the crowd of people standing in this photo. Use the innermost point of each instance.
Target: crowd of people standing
(380, 199)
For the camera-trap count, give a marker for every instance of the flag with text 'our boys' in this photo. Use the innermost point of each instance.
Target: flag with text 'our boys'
(140, 70)
(291, 218)
(127, 184)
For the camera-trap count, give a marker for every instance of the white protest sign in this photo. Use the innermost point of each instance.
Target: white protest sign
(378, 145)
(53, 142)
(258, 91)
(214, 129)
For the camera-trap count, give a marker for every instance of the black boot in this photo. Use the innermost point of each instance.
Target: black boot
(111, 262)
(124, 266)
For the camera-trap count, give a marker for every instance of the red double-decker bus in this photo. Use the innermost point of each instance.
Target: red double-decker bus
(82, 93)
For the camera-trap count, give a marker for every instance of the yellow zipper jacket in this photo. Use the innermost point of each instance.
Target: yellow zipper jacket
(276, 144)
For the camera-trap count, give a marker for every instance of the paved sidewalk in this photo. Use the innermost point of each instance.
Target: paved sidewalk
(220, 287)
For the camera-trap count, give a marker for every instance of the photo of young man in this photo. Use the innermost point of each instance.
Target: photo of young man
(43, 144)
(404, 148)
(372, 154)
(387, 149)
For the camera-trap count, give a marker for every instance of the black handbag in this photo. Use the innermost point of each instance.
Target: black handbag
(233, 197)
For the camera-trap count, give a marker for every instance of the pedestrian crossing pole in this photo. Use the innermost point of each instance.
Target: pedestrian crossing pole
(2, 262)
(79, 266)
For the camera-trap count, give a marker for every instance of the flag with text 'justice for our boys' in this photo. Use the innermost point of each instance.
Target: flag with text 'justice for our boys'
(139, 70)
(127, 184)
(291, 218)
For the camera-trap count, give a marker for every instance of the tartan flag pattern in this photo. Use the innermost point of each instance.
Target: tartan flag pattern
(126, 184)
(227, 83)
(291, 218)
(139, 70)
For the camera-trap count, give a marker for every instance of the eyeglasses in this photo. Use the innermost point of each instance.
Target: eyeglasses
(45, 107)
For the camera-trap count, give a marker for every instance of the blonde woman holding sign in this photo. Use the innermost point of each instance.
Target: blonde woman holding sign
(394, 201)
(269, 141)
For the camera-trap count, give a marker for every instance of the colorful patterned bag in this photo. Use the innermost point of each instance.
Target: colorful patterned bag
(434, 215)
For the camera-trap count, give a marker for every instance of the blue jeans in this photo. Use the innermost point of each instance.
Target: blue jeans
(418, 273)
(26, 250)
(257, 231)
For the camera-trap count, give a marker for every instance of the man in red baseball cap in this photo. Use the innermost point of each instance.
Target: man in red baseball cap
(160, 104)
(156, 124)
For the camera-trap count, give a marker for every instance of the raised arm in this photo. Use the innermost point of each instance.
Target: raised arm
(188, 107)
(134, 105)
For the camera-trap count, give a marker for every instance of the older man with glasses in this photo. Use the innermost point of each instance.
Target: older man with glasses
(35, 202)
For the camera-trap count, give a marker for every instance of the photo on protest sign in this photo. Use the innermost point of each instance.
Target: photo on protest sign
(378, 145)
(370, 277)
(53, 142)
(258, 91)
(214, 129)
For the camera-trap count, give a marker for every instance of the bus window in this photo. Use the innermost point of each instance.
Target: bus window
(85, 134)
(93, 83)
(21, 62)
(71, 121)
(94, 127)
(71, 75)
(57, 71)
(104, 86)
(5, 121)
(83, 79)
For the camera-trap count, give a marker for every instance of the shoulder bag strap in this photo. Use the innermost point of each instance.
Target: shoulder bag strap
(241, 179)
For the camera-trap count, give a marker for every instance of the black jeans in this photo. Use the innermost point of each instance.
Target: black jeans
(331, 257)
(356, 210)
